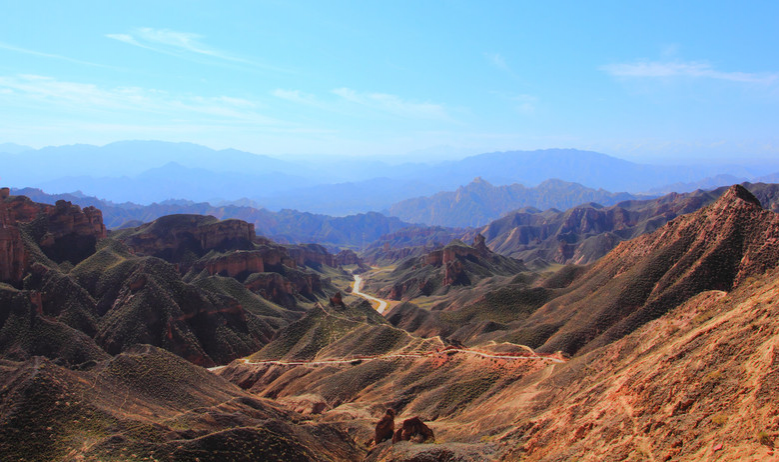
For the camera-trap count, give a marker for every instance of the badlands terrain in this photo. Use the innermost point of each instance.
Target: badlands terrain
(645, 330)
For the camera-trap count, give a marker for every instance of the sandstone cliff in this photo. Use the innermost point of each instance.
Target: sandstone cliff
(64, 232)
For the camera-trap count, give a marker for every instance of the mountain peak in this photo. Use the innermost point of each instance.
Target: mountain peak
(738, 192)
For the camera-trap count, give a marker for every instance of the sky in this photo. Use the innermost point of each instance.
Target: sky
(658, 82)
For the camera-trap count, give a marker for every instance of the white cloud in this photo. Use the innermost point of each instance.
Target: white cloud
(182, 44)
(297, 96)
(6, 46)
(394, 105)
(690, 69)
(48, 93)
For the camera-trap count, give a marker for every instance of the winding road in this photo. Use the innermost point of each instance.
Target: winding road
(356, 291)
(359, 359)
(358, 281)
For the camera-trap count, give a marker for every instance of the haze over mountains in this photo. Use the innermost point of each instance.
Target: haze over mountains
(480, 202)
(153, 171)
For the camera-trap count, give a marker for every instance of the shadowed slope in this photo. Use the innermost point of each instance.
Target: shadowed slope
(148, 403)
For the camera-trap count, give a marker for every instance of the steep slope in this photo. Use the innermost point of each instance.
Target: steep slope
(715, 248)
(583, 234)
(479, 202)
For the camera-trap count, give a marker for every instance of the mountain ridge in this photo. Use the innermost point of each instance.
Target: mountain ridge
(479, 202)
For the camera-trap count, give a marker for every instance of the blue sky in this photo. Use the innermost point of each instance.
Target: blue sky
(650, 81)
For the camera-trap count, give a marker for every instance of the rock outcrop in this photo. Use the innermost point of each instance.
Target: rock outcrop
(385, 428)
(13, 259)
(63, 232)
(414, 430)
(230, 248)
(179, 238)
(347, 257)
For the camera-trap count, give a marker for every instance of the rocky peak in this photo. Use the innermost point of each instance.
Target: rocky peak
(479, 243)
(734, 194)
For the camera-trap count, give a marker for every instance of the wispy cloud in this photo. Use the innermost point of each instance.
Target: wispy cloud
(6, 46)
(297, 96)
(395, 105)
(689, 69)
(185, 45)
(48, 93)
(497, 60)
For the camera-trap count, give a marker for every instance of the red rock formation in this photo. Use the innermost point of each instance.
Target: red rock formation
(311, 254)
(453, 272)
(451, 252)
(274, 287)
(13, 258)
(235, 263)
(385, 428)
(217, 234)
(415, 430)
(66, 218)
(718, 247)
(479, 243)
(67, 227)
(69, 232)
(347, 257)
(168, 234)
(337, 300)
(305, 283)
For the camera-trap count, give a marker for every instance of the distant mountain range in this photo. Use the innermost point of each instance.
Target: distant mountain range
(286, 226)
(153, 171)
(13, 148)
(479, 202)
